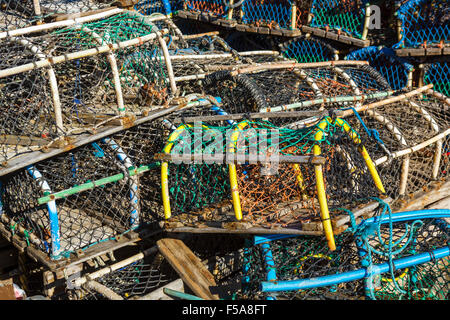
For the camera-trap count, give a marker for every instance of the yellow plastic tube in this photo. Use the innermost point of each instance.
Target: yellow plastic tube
(232, 171)
(165, 170)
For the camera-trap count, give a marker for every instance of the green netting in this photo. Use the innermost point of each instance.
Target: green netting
(438, 73)
(341, 15)
(273, 192)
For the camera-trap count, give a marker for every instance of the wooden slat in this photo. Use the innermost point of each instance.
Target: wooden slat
(190, 268)
(7, 290)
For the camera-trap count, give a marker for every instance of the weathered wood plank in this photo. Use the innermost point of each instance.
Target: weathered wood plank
(437, 191)
(190, 268)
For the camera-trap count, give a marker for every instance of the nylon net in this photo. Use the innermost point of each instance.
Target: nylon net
(437, 73)
(134, 280)
(397, 128)
(394, 69)
(308, 49)
(275, 14)
(271, 194)
(424, 23)
(344, 16)
(90, 194)
(285, 89)
(316, 273)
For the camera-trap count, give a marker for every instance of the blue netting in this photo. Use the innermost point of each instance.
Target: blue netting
(147, 7)
(272, 13)
(438, 73)
(308, 49)
(341, 15)
(394, 69)
(424, 21)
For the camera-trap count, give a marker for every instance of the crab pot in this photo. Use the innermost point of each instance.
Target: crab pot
(423, 24)
(308, 49)
(275, 14)
(307, 86)
(18, 14)
(72, 79)
(396, 71)
(438, 73)
(413, 132)
(389, 257)
(275, 184)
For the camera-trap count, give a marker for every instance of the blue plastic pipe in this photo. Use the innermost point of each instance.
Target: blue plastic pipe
(359, 274)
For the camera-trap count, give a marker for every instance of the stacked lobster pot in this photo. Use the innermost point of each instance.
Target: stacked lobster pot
(66, 92)
(217, 195)
(78, 78)
(108, 80)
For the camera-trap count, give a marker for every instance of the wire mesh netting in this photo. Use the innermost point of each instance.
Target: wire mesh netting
(424, 23)
(395, 70)
(308, 49)
(438, 73)
(18, 14)
(76, 86)
(394, 257)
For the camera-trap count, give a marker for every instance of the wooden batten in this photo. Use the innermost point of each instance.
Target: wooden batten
(190, 268)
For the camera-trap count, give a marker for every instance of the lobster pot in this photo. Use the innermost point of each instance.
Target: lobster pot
(396, 71)
(437, 73)
(275, 14)
(62, 207)
(308, 49)
(19, 14)
(265, 190)
(419, 124)
(130, 278)
(404, 256)
(266, 89)
(191, 70)
(424, 24)
(75, 78)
